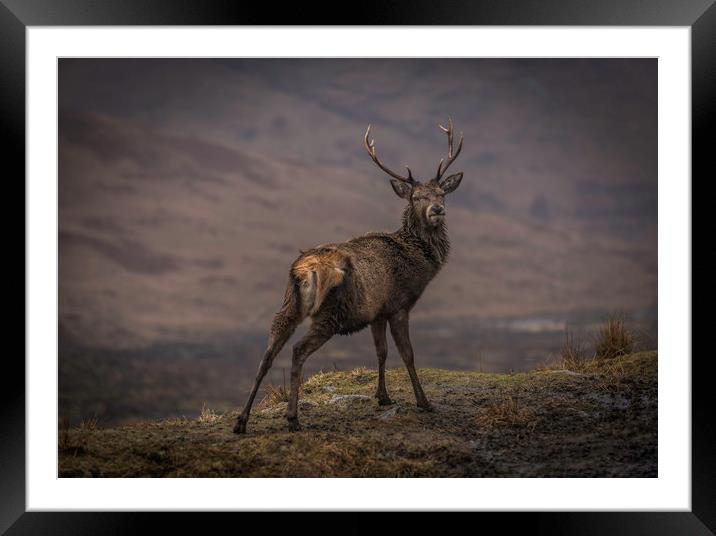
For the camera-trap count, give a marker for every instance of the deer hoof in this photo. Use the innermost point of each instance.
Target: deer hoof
(426, 406)
(294, 425)
(384, 400)
(240, 427)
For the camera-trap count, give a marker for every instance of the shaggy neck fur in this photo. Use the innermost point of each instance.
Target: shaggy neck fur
(434, 239)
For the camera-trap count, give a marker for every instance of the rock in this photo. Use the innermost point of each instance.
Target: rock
(281, 407)
(329, 389)
(474, 444)
(350, 400)
(393, 412)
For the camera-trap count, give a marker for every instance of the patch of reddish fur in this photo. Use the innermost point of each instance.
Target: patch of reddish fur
(318, 274)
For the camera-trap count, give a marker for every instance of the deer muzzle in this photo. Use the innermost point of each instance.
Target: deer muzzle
(436, 213)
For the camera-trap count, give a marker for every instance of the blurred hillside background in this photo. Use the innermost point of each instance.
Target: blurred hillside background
(187, 188)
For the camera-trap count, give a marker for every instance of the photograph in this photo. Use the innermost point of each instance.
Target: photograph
(426, 257)
(357, 267)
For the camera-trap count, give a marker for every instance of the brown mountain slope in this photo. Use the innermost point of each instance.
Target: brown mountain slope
(167, 236)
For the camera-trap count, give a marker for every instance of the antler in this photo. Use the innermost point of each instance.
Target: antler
(370, 147)
(451, 157)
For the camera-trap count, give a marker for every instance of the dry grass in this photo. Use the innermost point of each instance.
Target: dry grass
(362, 375)
(610, 381)
(208, 415)
(613, 339)
(75, 440)
(275, 394)
(573, 355)
(89, 424)
(64, 437)
(177, 421)
(610, 375)
(508, 413)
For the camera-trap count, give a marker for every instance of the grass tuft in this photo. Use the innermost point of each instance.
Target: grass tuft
(507, 412)
(275, 394)
(613, 339)
(208, 415)
(64, 438)
(573, 355)
(75, 440)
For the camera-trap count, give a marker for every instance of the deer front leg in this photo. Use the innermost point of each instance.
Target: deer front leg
(399, 330)
(381, 348)
(309, 343)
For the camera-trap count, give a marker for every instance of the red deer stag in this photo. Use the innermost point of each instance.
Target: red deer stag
(374, 279)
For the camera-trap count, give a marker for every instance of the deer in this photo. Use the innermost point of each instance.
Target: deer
(370, 280)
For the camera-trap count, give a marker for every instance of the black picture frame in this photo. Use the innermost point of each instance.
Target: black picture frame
(17, 15)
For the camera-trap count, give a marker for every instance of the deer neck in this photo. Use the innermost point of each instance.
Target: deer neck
(433, 240)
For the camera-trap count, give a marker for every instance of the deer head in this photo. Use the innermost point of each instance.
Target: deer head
(426, 199)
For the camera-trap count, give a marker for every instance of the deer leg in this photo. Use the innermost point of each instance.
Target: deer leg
(381, 348)
(399, 330)
(281, 330)
(315, 338)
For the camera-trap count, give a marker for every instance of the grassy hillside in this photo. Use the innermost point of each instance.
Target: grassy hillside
(598, 422)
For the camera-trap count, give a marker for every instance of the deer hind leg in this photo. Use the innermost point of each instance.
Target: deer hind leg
(276, 342)
(381, 348)
(399, 330)
(315, 338)
(283, 326)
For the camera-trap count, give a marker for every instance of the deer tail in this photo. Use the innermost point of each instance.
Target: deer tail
(316, 275)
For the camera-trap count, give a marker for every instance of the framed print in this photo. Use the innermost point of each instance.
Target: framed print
(443, 253)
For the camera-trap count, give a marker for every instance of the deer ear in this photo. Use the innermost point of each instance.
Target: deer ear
(401, 189)
(451, 183)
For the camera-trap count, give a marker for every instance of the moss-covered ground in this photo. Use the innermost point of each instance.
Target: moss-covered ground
(598, 422)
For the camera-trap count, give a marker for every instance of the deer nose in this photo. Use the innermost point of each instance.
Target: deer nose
(437, 209)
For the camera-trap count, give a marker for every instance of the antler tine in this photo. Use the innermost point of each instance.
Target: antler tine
(448, 131)
(440, 165)
(451, 156)
(370, 147)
